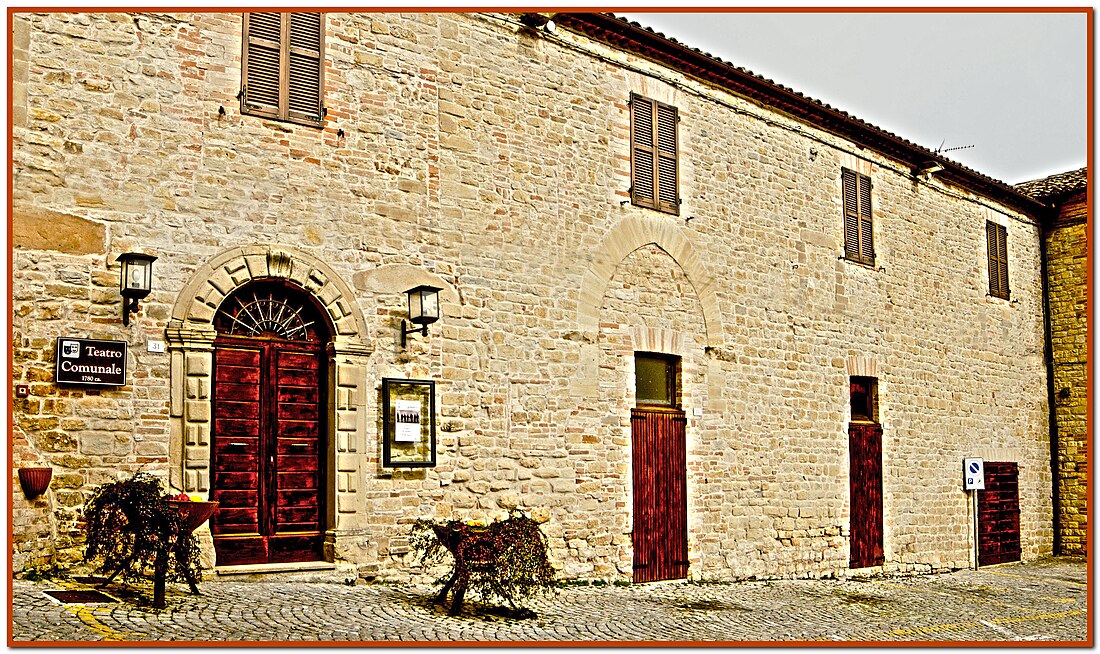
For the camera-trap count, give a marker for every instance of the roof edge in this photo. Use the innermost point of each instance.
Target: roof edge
(644, 42)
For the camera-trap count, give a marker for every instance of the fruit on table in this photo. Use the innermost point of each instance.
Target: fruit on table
(181, 497)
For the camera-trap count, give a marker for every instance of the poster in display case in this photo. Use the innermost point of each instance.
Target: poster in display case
(408, 423)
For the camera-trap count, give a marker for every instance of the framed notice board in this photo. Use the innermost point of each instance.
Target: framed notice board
(408, 423)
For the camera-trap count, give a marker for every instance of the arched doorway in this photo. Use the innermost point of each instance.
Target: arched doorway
(268, 418)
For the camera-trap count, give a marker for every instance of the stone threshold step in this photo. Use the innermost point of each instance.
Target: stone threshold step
(261, 568)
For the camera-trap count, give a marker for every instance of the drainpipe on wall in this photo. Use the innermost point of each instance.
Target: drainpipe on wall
(1048, 357)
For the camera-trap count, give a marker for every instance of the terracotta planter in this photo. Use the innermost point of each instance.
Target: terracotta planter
(35, 481)
(194, 513)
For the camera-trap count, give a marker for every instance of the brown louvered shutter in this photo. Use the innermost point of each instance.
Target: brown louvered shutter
(643, 169)
(261, 64)
(305, 67)
(866, 227)
(668, 198)
(850, 184)
(654, 169)
(283, 66)
(858, 222)
(997, 250)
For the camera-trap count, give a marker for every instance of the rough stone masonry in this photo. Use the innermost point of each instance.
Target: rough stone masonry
(493, 161)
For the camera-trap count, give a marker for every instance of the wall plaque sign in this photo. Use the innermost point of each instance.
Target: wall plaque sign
(408, 423)
(90, 362)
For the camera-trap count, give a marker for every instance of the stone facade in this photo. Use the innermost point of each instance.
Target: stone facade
(493, 161)
(1067, 288)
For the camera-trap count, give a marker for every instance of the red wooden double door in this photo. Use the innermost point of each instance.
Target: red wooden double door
(659, 460)
(267, 451)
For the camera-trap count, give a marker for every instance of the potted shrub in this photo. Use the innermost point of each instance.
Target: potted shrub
(507, 558)
(132, 528)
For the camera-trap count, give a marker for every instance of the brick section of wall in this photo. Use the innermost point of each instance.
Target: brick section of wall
(1067, 268)
(497, 160)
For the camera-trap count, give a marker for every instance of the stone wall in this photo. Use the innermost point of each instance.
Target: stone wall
(1067, 270)
(494, 162)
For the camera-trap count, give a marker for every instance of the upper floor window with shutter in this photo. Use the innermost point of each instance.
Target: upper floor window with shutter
(282, 66)
(997, 242)
(858, 225)
(653, 157)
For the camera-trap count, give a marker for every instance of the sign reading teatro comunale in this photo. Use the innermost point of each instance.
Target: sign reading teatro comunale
(87, 361)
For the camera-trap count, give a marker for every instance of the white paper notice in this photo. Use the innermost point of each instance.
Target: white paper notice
(407, 419)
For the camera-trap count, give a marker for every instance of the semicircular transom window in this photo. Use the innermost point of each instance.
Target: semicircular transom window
(270, 310)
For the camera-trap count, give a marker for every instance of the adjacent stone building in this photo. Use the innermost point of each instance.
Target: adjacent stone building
(1066, 241)
(699, 324)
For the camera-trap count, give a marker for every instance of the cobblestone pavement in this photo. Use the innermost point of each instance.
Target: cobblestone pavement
(1037, 601)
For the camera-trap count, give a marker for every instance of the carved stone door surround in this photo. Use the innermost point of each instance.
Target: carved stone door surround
(190, 335)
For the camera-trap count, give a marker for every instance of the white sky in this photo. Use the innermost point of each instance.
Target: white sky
(1013, 85)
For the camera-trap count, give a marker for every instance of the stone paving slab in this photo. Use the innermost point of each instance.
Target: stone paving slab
(1037, 601)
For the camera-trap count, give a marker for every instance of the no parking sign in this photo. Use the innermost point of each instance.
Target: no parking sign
(973, 474)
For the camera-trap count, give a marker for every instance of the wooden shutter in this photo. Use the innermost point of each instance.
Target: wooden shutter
(997, 251)
(866, 243)
(305, 67)
(668, 198)
(283, 66)
(654, 168)
(261, 64)
(643, 170)
(851, 213)
(858, 221)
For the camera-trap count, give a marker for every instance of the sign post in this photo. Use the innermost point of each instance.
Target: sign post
(974, 481)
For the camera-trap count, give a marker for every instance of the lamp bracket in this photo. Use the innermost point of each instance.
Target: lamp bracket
(129, 305)
(405, 331)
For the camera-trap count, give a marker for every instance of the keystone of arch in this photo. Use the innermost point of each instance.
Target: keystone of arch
(628, 235)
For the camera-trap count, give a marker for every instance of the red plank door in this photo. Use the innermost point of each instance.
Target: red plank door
(865, 485)
(267, 451)
(999, 514)
(659, 455)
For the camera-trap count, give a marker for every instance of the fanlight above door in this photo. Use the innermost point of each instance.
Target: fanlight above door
(269, 310)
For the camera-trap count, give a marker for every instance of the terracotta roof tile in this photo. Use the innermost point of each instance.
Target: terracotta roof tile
(1055, 185)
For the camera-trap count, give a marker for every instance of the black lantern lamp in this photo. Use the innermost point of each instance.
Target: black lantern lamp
(423, 310)
(135, 281)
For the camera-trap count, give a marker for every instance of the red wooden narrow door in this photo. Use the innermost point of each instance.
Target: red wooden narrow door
(865, 485)
(999, 514)
(268, 426)
(659, 455)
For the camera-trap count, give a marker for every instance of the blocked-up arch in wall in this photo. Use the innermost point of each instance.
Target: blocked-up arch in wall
(191, 335)
(627, 236)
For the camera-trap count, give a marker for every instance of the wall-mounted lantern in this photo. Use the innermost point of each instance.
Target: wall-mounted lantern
(134, 281)
(423, 310)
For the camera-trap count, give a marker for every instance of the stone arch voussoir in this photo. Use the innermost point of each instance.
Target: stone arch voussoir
(624, 238)
(213, 281)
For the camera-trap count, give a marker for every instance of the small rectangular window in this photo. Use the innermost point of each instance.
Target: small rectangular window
(654, 175)
(655, 379)
(282, 67)
(997, 249)
(864, 398)
(858, 223)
